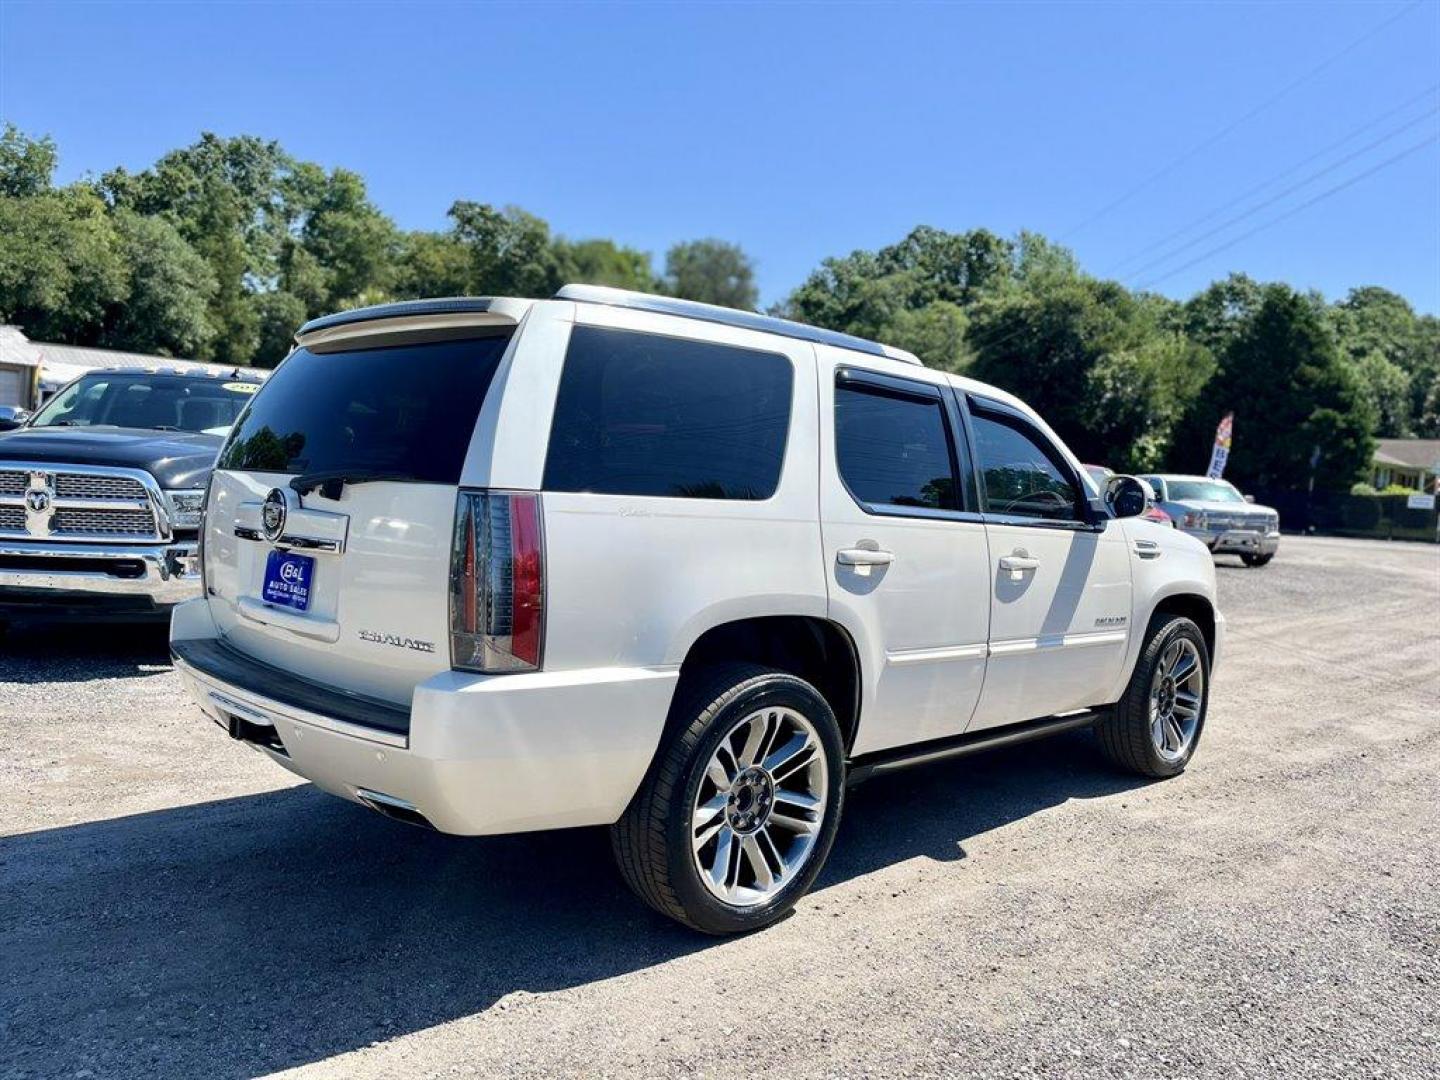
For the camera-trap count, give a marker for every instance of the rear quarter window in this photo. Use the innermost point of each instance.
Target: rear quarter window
(408, 409)
(644, 414)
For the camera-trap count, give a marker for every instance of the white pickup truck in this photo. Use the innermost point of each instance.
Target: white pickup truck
(491, 565)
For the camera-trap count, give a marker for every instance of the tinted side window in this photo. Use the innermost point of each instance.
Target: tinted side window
(893, 450)
(1020, 473)
(642, 414)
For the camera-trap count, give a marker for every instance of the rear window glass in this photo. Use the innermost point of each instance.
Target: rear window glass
(642, 414)
(407, 409)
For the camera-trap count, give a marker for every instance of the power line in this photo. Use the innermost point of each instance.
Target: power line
(1273, 199)
(1295, 210)
(1295, 167)
(1223, 132)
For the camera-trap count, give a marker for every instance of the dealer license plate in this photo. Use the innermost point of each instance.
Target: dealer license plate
(289, 579)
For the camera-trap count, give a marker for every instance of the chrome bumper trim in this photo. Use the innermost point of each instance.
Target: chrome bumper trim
(171, 571)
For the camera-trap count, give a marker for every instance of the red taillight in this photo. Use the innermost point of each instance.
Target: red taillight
(527, 585)
(497, 583)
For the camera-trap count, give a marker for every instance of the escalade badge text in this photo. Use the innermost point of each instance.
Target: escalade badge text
(377, 638)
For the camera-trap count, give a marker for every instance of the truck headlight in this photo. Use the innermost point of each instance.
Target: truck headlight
(186, 508)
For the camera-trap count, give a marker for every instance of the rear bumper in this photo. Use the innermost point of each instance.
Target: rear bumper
(482, 754)
(121, 579)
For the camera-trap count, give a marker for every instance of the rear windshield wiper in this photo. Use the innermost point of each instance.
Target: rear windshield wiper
(332, 481)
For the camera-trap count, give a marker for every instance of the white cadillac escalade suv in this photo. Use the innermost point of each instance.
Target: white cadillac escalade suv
(494, 565)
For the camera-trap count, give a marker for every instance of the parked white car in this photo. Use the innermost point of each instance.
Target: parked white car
(494, 565)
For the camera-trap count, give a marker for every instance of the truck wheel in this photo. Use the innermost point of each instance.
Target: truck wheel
(1154, 728)
(738, 811)
(1257, 560)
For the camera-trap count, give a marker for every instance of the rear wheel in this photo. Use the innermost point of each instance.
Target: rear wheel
(737, 814)
(1154, 728)
(1257, 560)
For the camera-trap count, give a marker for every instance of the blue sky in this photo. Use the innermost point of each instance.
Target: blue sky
(802, 131)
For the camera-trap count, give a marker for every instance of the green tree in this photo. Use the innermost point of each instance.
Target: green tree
(61, 265)
(1095, 361)
(26, 164)
(278, 314)
(432, 264)
(226, 198)
(1396, 354)
(340, 241)
(165, 305)
(1425, 379)
(1386, 388)
(511, 252)
(713, 272)
(935, 333)
(864, 292)
(1215, 316)
(1282, 374)
(604, 262)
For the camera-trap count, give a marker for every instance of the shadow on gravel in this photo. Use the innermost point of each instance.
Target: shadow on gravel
(81, 651)
(249, 935)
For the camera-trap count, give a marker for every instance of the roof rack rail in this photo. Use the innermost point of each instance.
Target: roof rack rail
(747, 320)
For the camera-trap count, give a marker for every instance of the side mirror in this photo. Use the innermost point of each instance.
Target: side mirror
(1126, 496)
(1248, 498)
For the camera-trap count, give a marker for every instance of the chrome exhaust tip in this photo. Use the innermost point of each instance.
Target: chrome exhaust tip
(391, 807)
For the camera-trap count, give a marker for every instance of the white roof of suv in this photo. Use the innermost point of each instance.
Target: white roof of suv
(512, 309)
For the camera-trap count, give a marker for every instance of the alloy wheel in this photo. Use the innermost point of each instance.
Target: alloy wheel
(1177, 693)
(759, 806)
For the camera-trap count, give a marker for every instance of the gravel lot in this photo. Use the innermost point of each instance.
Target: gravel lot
(171, 904)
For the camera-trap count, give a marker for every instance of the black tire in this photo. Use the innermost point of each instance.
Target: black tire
(652, 840)
(1124, 732)
(1256, 560)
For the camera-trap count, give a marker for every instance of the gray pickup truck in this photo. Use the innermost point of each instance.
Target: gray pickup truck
(1216, 514)
(101, 492)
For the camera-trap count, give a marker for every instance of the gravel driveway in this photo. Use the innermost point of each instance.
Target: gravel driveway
(171, 904)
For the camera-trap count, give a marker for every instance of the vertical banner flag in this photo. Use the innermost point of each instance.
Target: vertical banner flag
(1221, 453)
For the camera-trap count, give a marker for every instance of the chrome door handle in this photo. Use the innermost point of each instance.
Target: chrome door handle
(1017, 563)
(864, 557)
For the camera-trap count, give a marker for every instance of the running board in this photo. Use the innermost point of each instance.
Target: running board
(885, 761)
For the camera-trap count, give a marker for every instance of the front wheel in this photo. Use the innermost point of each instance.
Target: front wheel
(1154, 728)
(1257, 560)
(737, 814)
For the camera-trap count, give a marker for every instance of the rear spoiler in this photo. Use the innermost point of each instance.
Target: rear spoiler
(414, 315)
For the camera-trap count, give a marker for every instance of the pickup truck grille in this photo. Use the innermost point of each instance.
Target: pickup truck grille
(73, 502)
(85, 486)
(102, 522)
(1241, 522)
